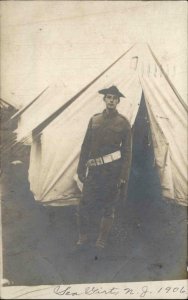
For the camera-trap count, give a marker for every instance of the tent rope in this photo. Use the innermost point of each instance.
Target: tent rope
(5, 148)
(21, 111)
(6, 103)
(38, 129)
(47, 121)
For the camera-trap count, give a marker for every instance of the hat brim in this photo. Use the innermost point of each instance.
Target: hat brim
(106, 91)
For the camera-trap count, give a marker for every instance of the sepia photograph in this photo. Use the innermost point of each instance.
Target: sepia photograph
(94, 176)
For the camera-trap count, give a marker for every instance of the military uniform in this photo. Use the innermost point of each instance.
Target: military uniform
(105, 159)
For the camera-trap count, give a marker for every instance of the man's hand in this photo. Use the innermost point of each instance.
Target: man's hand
(121, 183)
(82, 177)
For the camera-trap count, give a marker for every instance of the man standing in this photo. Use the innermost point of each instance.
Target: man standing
(104, 165)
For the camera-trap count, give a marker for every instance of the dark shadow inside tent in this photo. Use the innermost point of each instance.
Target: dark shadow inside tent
(144, 179)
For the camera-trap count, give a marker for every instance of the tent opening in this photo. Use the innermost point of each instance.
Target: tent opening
(144, 180)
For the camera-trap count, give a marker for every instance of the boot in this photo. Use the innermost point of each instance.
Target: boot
(82, 239)
(105, 227)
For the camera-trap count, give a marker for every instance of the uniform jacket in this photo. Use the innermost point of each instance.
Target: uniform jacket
(107, 133)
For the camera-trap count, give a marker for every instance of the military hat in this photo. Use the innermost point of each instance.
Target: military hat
(113, 90)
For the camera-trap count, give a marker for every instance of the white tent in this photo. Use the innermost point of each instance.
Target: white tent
(61, 118)
(5, 104)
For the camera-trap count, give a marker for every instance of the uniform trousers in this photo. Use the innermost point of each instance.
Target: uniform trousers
(100, 192)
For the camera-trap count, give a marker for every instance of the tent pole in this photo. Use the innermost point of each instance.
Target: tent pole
(168, 80)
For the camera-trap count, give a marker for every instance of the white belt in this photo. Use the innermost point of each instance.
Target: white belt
(104, 159)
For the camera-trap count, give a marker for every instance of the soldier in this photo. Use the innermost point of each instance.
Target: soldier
(104, 165)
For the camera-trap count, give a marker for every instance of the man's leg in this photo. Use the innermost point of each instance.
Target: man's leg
(85, 207)
(108, 200)
(105, 227)
(82, 221)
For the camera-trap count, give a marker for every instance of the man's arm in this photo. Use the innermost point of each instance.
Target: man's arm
(84, 154)
(126, 154)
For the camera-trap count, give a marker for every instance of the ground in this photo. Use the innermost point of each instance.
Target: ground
(148, 240)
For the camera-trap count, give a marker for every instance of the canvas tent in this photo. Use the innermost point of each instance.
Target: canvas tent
(4, 104)
(55, 125)
(6, 109)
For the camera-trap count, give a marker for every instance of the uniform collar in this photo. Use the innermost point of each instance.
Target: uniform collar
(111, 115)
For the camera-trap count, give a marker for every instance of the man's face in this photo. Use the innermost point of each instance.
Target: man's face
(111, 101)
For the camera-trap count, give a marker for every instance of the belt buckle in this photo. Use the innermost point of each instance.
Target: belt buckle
(111, 155)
